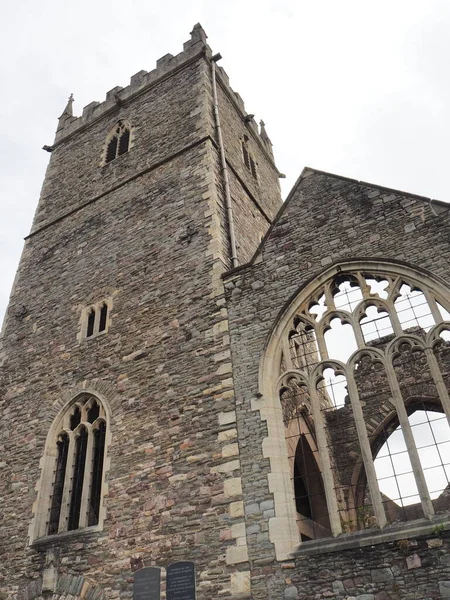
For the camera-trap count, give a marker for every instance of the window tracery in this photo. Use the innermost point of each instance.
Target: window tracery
(118, 142)
(75, 468)
(354, 353)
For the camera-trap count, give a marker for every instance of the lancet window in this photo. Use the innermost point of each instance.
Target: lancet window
(364, 373)
(75, 469)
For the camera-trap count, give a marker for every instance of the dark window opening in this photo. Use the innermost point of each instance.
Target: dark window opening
(119, 143)
(97, 320)
(58, 485)
(103, 316)
(90, 324)
(248, 159)
(75, 418)
(246, 155)
(111, 151)
(97, 474)
(309, 492)
(93, 412)
(124, 142)
(77, 480)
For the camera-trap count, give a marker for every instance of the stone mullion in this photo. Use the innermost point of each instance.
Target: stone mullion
(87, 476)
(396, 325)
(327, 473)
(419, 476)
(439, 382)
(329, 298)
(65, 501)
(320, 338)
(365, 288)
(366, 452)
(287, 354)
(360, 342)
(436, 313)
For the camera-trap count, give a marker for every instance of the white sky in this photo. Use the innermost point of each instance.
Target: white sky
(357, 88)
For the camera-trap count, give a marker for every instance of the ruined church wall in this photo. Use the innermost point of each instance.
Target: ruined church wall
(328, 219)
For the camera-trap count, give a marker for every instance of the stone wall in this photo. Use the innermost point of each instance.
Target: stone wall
(327, 219)
(149, 232)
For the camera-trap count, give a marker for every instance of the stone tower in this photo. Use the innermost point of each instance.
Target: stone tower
(192, 371)
(118, 445)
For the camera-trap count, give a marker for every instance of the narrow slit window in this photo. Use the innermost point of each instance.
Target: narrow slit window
(253, 167)
(249, 161)
(103, 317)
(245, 155)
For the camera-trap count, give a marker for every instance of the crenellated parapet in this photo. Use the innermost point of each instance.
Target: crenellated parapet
(196, 46)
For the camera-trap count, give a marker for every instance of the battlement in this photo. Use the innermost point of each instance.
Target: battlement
(196, 46)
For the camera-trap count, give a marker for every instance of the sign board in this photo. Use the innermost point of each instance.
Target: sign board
(147, 584)
(180, 584)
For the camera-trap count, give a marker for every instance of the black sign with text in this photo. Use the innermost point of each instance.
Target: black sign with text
(147, 584)
(181, 581)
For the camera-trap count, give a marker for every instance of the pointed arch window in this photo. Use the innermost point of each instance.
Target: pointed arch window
(95, 319)
(118, 142)
(74, 469)
(368, 350)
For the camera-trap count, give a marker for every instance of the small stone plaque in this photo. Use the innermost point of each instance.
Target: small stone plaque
(181, 581)
(147, 584)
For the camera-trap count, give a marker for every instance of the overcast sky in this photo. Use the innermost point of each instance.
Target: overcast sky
(359, 88)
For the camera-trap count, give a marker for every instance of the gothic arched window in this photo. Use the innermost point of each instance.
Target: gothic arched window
(364, 354)
(118, 142)
(74, 469)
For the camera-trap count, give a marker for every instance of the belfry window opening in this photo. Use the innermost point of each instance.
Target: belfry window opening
(119, 142)
(346, 396)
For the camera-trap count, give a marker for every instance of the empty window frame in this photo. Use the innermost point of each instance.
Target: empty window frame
(75, 469)
(118, 142)
(347, 382)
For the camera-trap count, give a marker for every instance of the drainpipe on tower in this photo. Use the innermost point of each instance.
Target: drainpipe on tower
(223, 163)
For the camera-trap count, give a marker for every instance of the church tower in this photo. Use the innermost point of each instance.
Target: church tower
(193, 371)
(118, 442)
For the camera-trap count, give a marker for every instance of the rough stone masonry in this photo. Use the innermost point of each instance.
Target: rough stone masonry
(187, 467)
